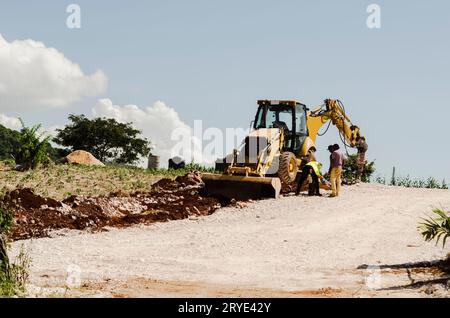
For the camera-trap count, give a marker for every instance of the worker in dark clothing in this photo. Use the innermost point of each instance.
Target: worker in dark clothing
(330, 149)
(310, 169)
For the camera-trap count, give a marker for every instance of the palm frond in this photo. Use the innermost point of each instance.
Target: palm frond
(436, 228)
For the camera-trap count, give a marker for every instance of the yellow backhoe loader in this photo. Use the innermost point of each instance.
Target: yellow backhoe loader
(281, 141)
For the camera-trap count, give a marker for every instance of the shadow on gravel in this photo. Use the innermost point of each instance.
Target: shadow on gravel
(439, 269)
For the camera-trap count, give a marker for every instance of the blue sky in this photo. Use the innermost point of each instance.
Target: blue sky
(212, 60)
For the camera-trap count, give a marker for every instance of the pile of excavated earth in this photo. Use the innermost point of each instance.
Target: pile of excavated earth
(36, 216)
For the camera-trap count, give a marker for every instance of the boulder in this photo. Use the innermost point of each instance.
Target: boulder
(82, 157)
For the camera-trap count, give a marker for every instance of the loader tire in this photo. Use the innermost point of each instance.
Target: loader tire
(287, 170)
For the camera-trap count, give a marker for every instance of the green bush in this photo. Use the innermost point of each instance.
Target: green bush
(6, 219)
(13, 276)
(8, 142)
(350, 169)
(436, 228)
(13, 280)
(10, 145)
(33, 148)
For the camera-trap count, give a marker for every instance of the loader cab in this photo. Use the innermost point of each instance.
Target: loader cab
(287, 115)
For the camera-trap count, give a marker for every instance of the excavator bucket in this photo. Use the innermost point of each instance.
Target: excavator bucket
(240, 187)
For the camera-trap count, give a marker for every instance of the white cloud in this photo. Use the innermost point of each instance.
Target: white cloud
(157, 123)
(10, 122)
(51, 131)
(33, 75)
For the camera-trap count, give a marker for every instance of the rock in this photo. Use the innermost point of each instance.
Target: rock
(430, 290)
(240, 205)
(82, 157)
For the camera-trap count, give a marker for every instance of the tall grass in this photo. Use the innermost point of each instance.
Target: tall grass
(429, 183)
(180, 172)
(408, 182)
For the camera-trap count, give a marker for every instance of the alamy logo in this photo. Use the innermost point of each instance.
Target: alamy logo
(73, 279)
(74, 19)
(374, 18)
(373, 277)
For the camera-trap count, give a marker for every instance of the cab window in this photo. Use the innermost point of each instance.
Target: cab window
(300, 121)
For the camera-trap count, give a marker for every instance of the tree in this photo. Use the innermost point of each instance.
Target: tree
(107, 139)
(33, 148)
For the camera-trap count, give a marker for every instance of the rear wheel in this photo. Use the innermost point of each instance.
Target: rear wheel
(287, 170)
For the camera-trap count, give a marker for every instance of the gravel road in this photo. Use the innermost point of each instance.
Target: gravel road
(294, 246)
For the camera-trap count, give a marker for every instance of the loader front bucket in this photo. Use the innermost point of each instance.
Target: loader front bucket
(240, 187)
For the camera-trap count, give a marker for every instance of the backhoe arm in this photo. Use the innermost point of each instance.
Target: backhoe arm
(333, 110)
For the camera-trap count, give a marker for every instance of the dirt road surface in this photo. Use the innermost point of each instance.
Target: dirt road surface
(364, 243)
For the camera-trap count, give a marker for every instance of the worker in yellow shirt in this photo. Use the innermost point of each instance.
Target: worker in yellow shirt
(311, 169)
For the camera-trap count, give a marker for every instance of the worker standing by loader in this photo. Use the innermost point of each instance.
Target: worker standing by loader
(362, 147)
(336, 164)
